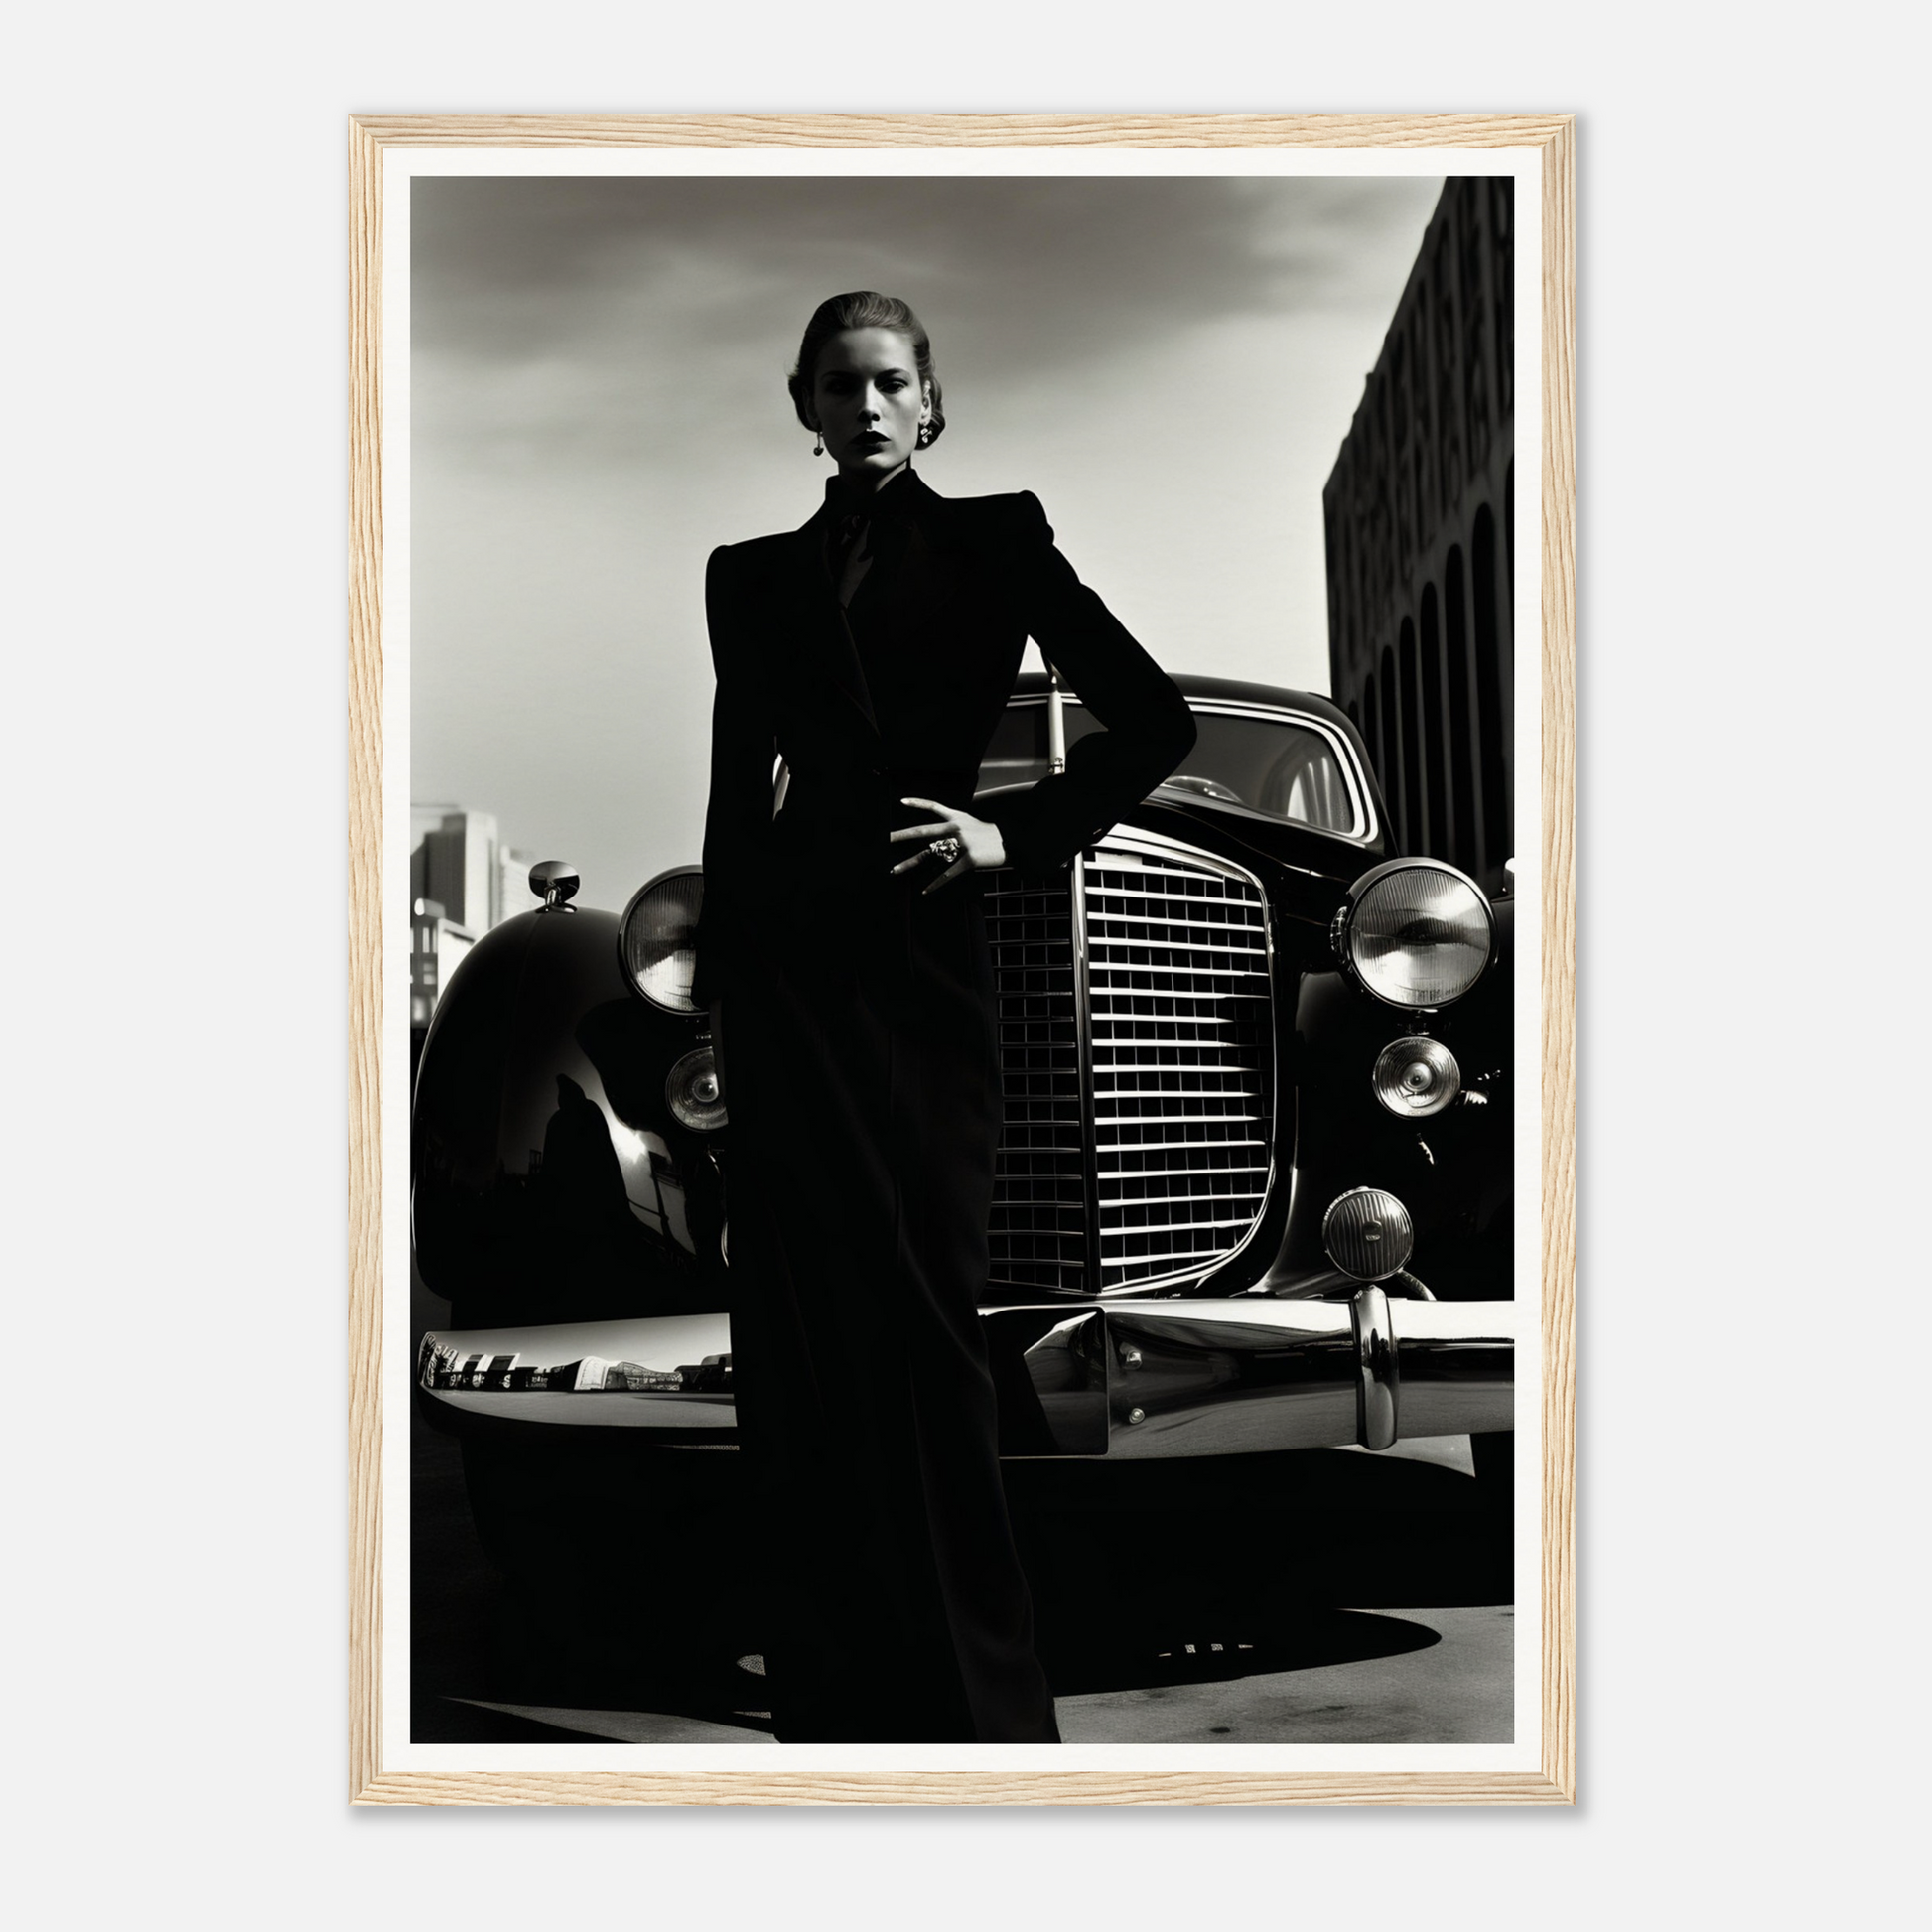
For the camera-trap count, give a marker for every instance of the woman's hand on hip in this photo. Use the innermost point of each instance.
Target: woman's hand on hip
(955, 841)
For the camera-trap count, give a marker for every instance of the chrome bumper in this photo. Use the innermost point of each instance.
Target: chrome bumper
(1127, 1380)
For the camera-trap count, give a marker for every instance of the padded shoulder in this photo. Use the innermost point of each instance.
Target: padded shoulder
(1015, 517)
(756, 549)
(736, 571)
(754, 554)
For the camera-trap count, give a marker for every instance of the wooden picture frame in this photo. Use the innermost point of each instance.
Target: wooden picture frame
(1554, 1780)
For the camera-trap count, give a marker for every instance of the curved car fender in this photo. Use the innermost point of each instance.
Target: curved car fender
(551, 1180)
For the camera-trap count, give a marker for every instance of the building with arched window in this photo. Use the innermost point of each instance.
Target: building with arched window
(1419, 533)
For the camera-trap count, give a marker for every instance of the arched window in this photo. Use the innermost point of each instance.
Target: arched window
(1391, 743)
(1490, 672)
(1415, 825)
(1434, 749)
(1461, 733)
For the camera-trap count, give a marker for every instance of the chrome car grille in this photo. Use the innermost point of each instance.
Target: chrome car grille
(1137, 1068)
(1040, 1219)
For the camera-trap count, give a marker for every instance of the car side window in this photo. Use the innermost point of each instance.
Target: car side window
(1016, 754)
(1305, 784)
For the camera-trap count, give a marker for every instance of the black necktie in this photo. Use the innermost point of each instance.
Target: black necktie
(850, 556)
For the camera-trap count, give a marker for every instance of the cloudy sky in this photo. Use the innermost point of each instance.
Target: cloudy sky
(598, 392)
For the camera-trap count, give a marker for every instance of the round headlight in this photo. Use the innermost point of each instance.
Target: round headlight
(1416, 932)
(1368, 1234)
(656, 938)
(1415, 1077)
(691, 1090)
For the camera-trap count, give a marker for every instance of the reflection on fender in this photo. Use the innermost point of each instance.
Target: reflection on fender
(1124, 1380)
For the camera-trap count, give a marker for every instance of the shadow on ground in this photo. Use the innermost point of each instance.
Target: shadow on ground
(583, 1582)
(1314, 1641)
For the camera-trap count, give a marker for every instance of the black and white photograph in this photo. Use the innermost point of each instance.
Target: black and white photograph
(970, 793)
(918, 1011)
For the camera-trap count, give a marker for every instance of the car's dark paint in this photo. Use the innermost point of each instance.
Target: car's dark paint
(542, 1047)
(550, 1176)
(1452, 1169)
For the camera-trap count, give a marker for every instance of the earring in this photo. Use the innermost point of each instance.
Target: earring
(926, 435)
(818, 448)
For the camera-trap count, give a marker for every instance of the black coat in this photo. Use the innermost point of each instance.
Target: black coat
(862, 1072)
(790, 681)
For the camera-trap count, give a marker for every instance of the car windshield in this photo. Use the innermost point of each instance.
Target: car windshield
(1274, 766)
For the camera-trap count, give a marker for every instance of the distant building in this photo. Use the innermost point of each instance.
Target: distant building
(436, 944)
(1421, 534)
(514, 895)
(456, 863)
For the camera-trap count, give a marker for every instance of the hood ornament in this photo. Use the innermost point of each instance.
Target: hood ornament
(555, 882)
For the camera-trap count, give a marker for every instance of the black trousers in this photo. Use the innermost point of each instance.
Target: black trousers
(862, 1075)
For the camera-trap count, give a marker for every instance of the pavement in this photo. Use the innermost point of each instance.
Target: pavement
(1445, 1679)
(1158, 1640)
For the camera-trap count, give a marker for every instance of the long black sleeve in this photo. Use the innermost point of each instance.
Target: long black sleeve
(737, 816)
(1147, 727)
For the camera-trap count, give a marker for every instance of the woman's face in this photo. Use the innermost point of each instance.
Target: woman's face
(868, 403)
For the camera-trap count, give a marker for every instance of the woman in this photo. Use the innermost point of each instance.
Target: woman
(843, 951)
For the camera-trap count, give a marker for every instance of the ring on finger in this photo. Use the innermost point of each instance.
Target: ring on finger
(946, 849)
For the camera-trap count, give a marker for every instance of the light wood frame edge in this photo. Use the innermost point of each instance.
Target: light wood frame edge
(365, 958)
(1555, 1781)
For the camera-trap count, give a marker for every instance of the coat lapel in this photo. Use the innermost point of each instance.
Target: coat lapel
(823, 632)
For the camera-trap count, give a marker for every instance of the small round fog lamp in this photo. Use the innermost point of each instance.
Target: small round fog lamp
(1415, 1077)
(1368, 1234)
(691, 1088)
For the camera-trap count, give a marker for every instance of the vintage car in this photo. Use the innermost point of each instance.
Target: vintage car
(1254, 1191)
